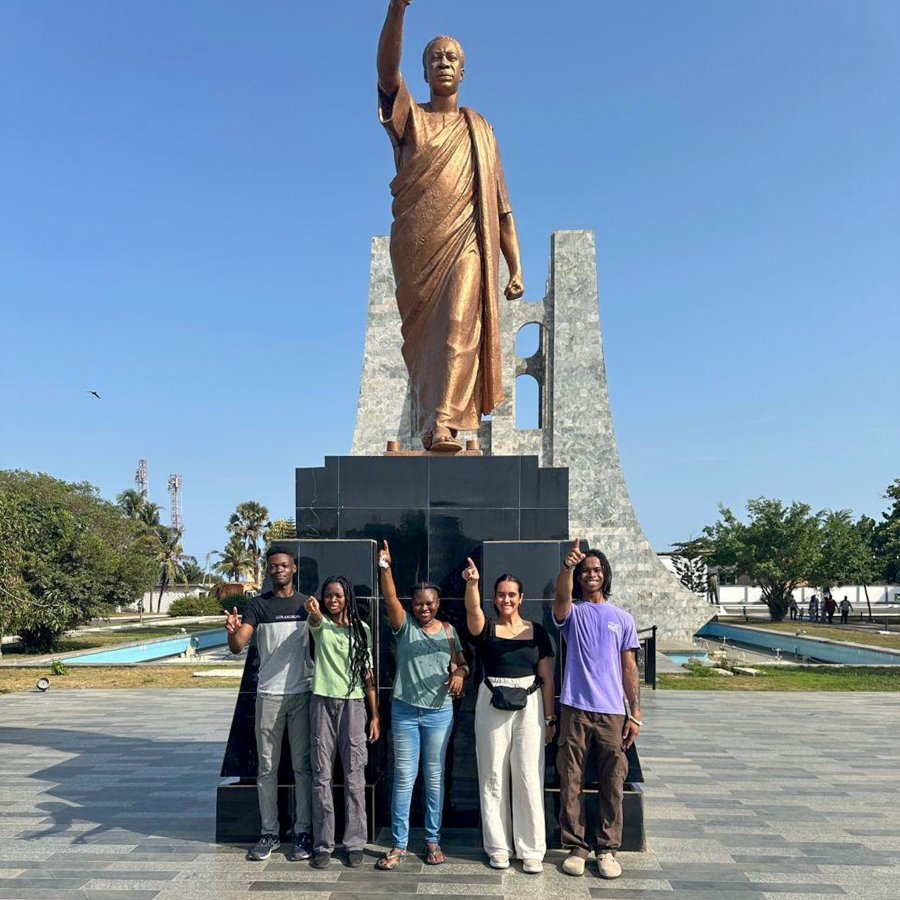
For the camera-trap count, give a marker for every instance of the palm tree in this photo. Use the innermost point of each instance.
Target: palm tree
(249, 522)
(169, 555)
(136, 506)
(234, 560)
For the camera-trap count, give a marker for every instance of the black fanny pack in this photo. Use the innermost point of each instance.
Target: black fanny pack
(510, 698)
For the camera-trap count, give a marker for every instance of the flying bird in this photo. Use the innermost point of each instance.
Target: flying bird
(95, 394)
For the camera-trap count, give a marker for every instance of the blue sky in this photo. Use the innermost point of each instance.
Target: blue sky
(190, 188)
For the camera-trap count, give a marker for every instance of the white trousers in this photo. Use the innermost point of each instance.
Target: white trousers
(510, 751)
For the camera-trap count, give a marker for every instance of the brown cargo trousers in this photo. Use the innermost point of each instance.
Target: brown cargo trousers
(579, 731)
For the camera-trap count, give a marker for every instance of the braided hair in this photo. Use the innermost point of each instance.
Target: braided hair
(359, 660)
(606, 587)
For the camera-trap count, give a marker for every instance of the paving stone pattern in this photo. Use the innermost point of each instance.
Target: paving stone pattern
(109, 795)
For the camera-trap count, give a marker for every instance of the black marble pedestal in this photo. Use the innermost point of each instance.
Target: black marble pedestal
(509, 515)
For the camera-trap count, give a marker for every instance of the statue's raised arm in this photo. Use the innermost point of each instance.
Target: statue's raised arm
(390, 47)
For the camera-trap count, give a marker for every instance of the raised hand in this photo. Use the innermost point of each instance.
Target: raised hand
(232, 621)
(384, 556)
(470, 573)
(312, 607)
(574, 556)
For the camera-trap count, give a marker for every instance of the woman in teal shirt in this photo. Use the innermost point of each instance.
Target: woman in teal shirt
(430, 673)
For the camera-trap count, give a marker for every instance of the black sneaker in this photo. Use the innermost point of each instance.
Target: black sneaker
(321, 860)
(263, 850)
(303, 845)
(355, 858)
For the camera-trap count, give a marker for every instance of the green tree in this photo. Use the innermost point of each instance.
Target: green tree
(280, 530)
(68, 555)
(778, 547)
(886, 536)
(689, 560)
(843, 556)
(169, 556)
(136, 506)
(234, 561)
(191, 571)
(250, 522)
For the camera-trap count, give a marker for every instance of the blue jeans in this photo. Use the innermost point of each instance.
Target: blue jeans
(426, 732)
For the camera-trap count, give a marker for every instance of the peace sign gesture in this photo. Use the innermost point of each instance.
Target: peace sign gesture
(574, 556)
(232, 621)
(470, 573)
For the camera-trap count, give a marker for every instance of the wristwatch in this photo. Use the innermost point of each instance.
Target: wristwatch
(549, 720)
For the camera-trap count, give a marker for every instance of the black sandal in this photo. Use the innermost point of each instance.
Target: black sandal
(391, 860)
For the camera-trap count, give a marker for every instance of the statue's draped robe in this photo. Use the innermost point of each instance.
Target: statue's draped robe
(449, 196)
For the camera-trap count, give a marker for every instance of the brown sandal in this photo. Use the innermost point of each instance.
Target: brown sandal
(434, 857)
(391, 860)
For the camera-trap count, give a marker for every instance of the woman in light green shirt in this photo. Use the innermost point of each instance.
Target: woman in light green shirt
(337, 715)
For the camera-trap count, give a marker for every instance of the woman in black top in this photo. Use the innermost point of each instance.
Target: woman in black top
(513, 721)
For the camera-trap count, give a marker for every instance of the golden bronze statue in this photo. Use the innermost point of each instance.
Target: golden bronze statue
(452, 219)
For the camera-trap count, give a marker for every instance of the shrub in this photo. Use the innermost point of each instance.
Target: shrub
(195, 606)
(58, 668)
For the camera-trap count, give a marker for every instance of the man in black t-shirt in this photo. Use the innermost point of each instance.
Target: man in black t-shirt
(282, 698)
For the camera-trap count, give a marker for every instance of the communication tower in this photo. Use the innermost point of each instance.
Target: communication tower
(141, 481)
(175, 502)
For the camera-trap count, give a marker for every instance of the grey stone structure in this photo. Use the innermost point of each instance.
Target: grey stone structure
(575, 423)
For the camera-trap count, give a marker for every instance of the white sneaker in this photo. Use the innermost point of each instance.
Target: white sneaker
(532, 866)
(499, 861)
(608, 866)
(573, 865)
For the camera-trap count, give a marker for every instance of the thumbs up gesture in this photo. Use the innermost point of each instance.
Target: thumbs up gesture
(574, 556)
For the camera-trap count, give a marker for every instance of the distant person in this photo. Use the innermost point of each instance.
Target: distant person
(814, 608)
(600, 673)
(846, 609)
(794, 609)
(514, 720)
(712, 588)
(337, 714)
(282, 699)
(830, 608)
(431, 673)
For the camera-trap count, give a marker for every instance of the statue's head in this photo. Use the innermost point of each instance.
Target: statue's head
(445, 65)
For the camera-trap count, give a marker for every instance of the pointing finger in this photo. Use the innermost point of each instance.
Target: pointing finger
(469, 561)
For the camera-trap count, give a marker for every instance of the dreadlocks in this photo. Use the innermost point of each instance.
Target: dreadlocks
(606, 587)
(358, 654)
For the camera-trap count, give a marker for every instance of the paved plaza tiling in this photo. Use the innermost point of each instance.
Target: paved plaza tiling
(110, 795)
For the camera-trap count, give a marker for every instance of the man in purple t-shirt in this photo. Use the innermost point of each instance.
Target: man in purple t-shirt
(601, 671)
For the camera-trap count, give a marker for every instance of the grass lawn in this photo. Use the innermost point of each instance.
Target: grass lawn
(174, 676)
(110, 638)
(781, 678)
(813, 629)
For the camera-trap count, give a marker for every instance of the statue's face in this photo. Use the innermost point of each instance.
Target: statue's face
(444, 68)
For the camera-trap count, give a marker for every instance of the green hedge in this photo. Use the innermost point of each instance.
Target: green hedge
(195, 606)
